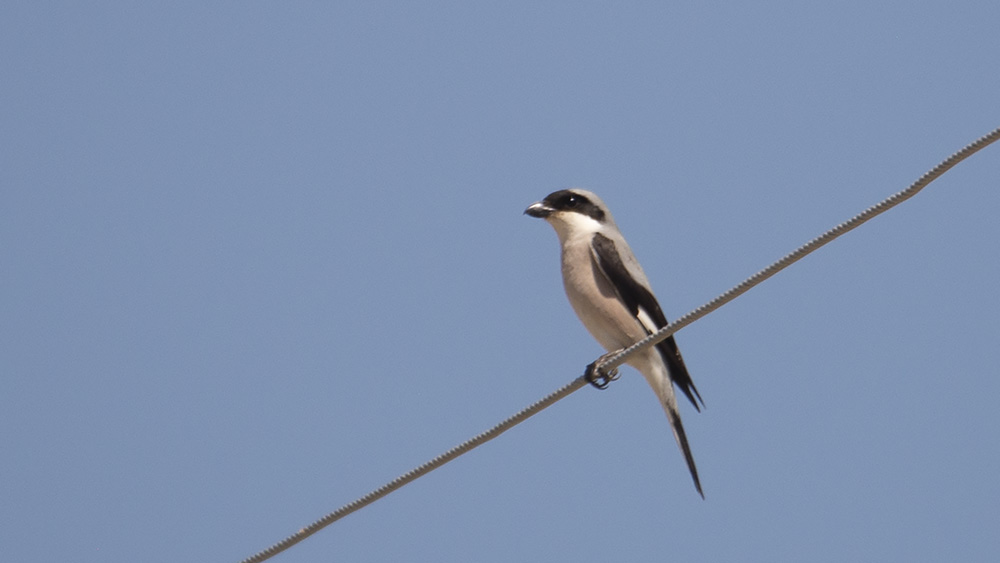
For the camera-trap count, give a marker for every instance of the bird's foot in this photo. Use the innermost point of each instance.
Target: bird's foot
(598, 377)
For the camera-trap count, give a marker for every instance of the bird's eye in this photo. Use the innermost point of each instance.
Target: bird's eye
(572, 201)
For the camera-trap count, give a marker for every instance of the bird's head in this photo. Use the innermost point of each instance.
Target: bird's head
(572, 212)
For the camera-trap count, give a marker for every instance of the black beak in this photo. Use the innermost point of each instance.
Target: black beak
(539, 210)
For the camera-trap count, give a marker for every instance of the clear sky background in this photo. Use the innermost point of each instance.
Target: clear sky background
(257, 259)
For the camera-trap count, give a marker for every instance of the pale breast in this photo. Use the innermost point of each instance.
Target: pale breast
(595, 302)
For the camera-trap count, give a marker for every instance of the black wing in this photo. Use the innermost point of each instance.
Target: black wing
(636, 297)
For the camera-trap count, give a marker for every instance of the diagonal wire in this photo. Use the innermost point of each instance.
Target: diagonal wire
(618, 358)
(612, 361)
(419, 471)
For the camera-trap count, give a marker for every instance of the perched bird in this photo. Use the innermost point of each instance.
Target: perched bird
(610, 293)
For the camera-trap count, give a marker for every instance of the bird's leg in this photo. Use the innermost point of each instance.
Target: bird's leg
(598, 377)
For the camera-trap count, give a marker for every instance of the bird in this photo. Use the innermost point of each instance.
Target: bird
(612, 297)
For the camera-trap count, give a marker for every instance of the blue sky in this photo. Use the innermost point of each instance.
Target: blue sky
(260, 258)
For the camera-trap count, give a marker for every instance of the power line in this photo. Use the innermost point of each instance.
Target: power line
(611, 361)
(607, 364)
(419, 471)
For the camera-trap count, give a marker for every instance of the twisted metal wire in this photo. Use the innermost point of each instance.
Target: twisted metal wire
(614, 360)
(418, 471)
(610, 362)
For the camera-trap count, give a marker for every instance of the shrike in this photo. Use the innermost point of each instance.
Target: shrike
(610, 293)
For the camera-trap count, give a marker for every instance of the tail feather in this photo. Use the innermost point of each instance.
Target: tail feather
(682, 441)
(668, 399)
